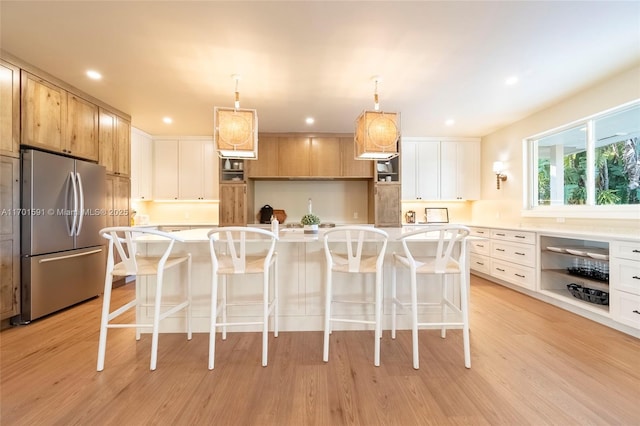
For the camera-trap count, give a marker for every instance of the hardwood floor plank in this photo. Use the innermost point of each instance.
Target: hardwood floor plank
(532, 364)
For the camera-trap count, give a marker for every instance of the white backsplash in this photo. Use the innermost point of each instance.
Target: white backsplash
(337, 201)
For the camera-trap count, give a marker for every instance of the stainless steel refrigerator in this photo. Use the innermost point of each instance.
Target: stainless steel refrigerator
(62, 253)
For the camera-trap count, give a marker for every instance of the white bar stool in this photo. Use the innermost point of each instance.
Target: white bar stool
(132, 263)
(445, 263)
(343, 249)
(234, 259)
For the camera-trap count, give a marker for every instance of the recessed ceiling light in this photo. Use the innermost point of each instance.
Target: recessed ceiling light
(168, 120)
(309, 120)
(450, 122)
(94, 75)
(511, 80)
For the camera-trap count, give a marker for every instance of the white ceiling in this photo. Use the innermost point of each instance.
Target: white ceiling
(438, 60)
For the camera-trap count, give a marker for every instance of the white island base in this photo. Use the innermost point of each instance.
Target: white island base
(301, 284)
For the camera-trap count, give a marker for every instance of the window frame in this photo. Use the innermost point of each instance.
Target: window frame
(530, 208)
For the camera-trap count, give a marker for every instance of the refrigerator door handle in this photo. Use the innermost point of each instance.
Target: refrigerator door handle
(69, 256)
(74, 213)
(81, 212)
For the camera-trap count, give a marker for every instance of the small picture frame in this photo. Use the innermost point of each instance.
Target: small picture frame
(436, 214)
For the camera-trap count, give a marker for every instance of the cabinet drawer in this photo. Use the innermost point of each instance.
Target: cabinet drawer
(481, 247)
(625, 308)
(515, 236)
(515, 274)
(625, 275)
(521, 254)
(625, 250)
(480, 232)
(480, 263)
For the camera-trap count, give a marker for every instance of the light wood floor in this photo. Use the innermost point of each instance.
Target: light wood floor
(532, 364)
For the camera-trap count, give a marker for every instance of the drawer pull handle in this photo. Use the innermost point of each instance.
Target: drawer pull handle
(480, 263)
(480, 245)
(518, 275)
(480, 232)
(500, 249)
(635, 311)
(520, 236)
(519, 254)
(501, 235)
(636, 251)
(501, 270)
(635, 277)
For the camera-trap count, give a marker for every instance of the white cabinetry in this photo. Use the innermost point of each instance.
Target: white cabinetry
(625, 282)
(435, 169)
(505, 254)
(141, 165)
(460, 170)
(184, 169)
(420, 172)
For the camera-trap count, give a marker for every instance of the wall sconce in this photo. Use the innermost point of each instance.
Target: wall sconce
(498, 168)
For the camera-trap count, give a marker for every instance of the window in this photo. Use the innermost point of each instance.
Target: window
(592, 162)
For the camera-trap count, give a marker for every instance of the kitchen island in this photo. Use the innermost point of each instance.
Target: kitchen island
(301, 265)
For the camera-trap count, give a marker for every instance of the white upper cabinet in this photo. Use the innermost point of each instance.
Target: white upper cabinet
(141, 165)
(184, 170)
(196, 170)
(420, 172)
(460, 170)
(434, 169)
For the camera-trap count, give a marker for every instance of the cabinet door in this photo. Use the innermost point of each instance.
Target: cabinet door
(196, 169)
(293, 155)
(387, 205)
(233, 205)
(409, 172)
(107, 140)
(9, 237)
(117, 200)
(352, 167)
(459, 170)
(82, 128)
(141, 159)
(9, 110)
(44, 113)
(324, 157)
(122, 146)
(267, 163)
(427, 171)
(469, 170)
(165, 170)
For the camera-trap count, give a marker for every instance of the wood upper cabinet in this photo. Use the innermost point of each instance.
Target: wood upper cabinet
(115, 143)
(267, 163)
(56, 120)
(293, 157)
(324, 157)
(82, 128)
(9, 110)
(352, 167)
(44, 113)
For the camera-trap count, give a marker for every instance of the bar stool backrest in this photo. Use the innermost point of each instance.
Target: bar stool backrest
(236, 238)
(123, 239)
(448, 237)
(354, 237)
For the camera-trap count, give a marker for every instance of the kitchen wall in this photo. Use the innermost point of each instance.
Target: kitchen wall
(178, 213)
(337, 201)
(504, 206)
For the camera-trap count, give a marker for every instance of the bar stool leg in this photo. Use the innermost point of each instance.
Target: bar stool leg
(189, 299)
(327, 316)
(414, 320)
(156, 321)
(265, 316)
(276, 309)
(106, 305)
(212, 324)
(393, 300)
